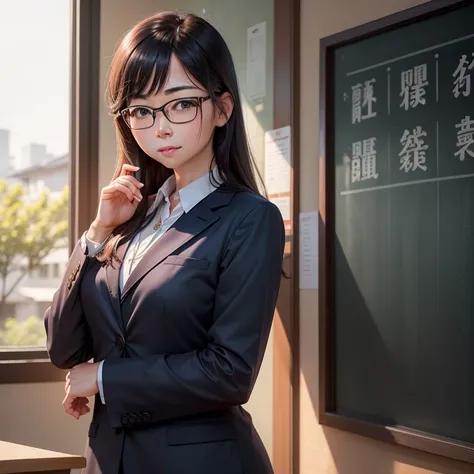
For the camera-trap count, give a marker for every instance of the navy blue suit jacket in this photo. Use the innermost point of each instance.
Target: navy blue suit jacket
(182, 343)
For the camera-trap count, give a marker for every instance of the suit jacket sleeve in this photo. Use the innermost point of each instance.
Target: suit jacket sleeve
(222, 374)
(67, 335)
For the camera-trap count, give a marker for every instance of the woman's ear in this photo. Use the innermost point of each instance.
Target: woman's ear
(227, 106)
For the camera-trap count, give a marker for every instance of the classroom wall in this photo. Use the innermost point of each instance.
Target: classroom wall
(326, 450)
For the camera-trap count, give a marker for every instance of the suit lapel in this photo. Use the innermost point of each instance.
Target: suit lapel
(186, 227)
(112, 275)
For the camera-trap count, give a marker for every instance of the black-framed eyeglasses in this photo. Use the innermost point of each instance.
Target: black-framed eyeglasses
(178, 111)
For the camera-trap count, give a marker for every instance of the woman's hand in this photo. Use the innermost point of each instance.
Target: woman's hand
(81, 382)
(118, 202)
(76, 406)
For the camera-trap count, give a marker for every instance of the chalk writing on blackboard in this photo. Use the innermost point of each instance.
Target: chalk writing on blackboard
(364, 160)
(413, 154)
(465, 137)
(415, 108)
(363, 98)
(462, 81)
(414, 83)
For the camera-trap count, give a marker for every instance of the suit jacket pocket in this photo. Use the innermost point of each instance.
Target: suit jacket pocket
(200, 433)
(202, 264)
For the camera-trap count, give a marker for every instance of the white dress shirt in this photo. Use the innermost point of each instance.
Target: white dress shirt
(189, 196)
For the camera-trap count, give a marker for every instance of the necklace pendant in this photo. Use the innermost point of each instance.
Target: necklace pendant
(157, 225)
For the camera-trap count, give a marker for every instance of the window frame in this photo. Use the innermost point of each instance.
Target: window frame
(31, 364)
(286, 327)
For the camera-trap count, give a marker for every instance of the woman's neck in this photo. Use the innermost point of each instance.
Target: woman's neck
(190, 172)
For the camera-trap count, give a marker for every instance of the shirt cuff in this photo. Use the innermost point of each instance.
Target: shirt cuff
(93, 248)
(99, 382)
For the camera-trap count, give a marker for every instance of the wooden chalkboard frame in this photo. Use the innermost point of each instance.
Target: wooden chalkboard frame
(429, 442)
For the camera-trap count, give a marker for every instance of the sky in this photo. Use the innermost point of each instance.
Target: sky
(35, 73)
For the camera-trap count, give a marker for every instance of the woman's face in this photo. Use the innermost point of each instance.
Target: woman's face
(178, 146)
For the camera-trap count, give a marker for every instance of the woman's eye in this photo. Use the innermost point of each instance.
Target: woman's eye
(139, 112)
(185, 104)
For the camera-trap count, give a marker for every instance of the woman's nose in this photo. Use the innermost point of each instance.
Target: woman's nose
(162, 126)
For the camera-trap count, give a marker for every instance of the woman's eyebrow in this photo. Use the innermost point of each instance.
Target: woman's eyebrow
(172, 90)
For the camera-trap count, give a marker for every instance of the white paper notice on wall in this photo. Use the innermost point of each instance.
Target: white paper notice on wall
(284, 204)
(278, 161)
(256, 61)
(308, 250)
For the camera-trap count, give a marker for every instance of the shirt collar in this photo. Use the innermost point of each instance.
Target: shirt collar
(191, 194)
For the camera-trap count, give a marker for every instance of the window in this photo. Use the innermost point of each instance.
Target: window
(34, 132)
(48, 151)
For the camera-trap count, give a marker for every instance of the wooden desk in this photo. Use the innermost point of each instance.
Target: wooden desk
(18, 459)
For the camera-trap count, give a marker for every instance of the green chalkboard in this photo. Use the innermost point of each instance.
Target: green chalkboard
(403, 134)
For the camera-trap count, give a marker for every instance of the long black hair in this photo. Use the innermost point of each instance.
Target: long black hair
(140, 67)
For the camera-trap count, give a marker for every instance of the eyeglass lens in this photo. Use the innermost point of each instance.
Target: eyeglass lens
(177, 111)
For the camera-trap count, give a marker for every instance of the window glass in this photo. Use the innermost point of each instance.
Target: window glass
(34, 162)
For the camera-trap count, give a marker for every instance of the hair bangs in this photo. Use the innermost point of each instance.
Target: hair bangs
(147, 69)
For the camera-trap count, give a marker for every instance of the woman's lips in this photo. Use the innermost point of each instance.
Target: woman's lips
(168, 150)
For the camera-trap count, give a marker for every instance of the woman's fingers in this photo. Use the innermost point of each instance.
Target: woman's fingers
(84, 408)
(125, 186)
(81, 405)
(124, 190)
(128, 169)
(132, 184)
(76, 406)
(131, 179)
(68, 405)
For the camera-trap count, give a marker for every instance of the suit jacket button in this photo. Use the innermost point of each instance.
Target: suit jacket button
(146, 417)
(138, 418)
(124, 420)
(132, 419)
(119, 343)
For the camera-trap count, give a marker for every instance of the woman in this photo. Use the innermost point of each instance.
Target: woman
(172, 289)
